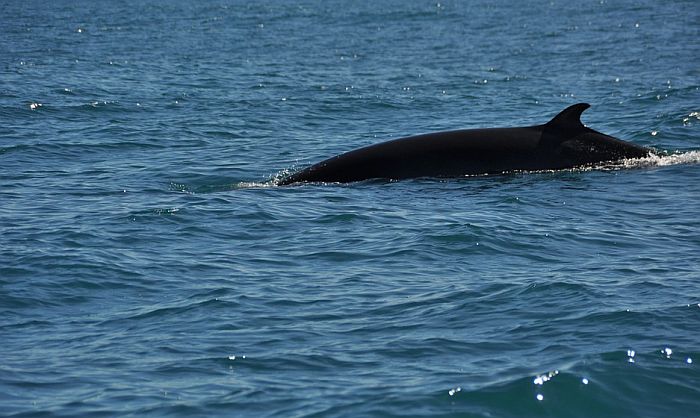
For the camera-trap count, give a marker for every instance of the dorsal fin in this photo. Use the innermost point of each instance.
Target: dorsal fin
(569, 118)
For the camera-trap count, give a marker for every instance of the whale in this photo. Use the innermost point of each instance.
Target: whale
(562, 143)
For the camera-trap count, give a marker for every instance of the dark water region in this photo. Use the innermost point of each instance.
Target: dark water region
(150, 266)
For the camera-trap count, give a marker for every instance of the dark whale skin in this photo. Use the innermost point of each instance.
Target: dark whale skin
(561, 143)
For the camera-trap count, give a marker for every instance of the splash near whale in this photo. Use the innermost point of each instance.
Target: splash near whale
(562, 143)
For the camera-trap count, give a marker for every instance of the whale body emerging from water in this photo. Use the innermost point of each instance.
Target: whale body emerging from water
(561, 143)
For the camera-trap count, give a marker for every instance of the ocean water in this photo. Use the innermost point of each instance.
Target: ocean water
(149, 265)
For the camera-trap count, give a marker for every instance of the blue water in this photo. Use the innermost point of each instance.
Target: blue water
(149, 266)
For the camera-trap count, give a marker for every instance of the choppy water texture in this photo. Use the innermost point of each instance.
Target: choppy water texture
(149, 265)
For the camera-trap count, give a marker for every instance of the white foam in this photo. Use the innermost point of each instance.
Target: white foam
(254, 184)
(689, 157)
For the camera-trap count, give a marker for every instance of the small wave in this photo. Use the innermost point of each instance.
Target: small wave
(254, 184)
(653, 160)
(215, 188)
(688, 157)
(67, 148)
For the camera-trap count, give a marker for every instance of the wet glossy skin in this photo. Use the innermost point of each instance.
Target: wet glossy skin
(561, 143)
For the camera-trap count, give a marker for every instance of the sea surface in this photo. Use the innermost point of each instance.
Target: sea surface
(150, 265)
